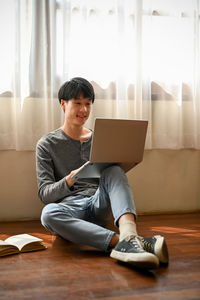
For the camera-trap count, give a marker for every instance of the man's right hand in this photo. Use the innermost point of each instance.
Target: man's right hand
(70, 181)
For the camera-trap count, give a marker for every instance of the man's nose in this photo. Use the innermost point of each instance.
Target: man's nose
(84, 108)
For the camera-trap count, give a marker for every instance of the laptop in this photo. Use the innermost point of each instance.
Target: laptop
(115, 141)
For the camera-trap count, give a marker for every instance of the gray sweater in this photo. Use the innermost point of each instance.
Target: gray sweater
(56, 156)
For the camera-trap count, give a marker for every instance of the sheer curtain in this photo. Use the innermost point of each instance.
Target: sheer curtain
(142, 57)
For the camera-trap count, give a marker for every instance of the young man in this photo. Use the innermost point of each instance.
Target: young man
(78, 210)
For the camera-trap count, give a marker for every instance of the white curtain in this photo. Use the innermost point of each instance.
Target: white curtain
(142, 57)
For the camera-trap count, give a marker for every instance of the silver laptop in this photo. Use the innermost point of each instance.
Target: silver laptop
(115, 141)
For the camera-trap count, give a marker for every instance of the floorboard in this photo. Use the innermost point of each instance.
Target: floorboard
(68, 271)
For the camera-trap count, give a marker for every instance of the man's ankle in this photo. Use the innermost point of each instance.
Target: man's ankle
(114, 241)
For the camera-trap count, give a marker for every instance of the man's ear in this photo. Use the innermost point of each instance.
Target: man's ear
(62, 103)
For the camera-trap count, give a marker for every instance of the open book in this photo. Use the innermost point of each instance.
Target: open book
(20, 243)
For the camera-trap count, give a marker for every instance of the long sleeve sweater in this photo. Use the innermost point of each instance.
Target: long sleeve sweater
(56, 156)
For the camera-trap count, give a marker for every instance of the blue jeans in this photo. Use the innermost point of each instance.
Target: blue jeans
(81, 219)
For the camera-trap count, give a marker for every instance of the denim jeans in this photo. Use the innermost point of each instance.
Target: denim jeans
(81, 219)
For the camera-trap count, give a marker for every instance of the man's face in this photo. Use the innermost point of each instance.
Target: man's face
(77, 110)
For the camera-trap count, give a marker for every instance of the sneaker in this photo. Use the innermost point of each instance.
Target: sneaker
(130, 250)
(157, 246)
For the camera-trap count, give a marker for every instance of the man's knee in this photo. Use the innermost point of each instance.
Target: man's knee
(114, 173)
(113, 170)
(48, 214)
(114, 177)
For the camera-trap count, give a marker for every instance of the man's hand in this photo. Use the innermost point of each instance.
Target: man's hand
(70, 181)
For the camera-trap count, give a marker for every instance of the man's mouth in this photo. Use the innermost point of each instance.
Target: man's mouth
(82, 117)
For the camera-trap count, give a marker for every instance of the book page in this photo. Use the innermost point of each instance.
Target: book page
(3, 245)
(20, 240)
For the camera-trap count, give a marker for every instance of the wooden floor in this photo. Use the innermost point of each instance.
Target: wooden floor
(68, 271)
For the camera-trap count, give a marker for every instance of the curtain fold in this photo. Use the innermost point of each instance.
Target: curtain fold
(142, 57)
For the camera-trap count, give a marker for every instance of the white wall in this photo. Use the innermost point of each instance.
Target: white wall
(18, 193)
(166, 181)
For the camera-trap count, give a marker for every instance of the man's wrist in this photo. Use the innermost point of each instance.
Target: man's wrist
(69, 180)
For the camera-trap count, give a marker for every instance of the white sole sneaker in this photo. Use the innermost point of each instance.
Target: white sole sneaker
(156, 245)
(141, 260)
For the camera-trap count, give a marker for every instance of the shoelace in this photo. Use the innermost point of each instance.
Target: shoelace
(148, 246)
(136, 243)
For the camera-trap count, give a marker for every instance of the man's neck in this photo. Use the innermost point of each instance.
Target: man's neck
(76, 132)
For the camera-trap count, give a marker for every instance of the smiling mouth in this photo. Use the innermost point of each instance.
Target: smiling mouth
(81, 117)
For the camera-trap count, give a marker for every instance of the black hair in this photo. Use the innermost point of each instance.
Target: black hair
(75, 87)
